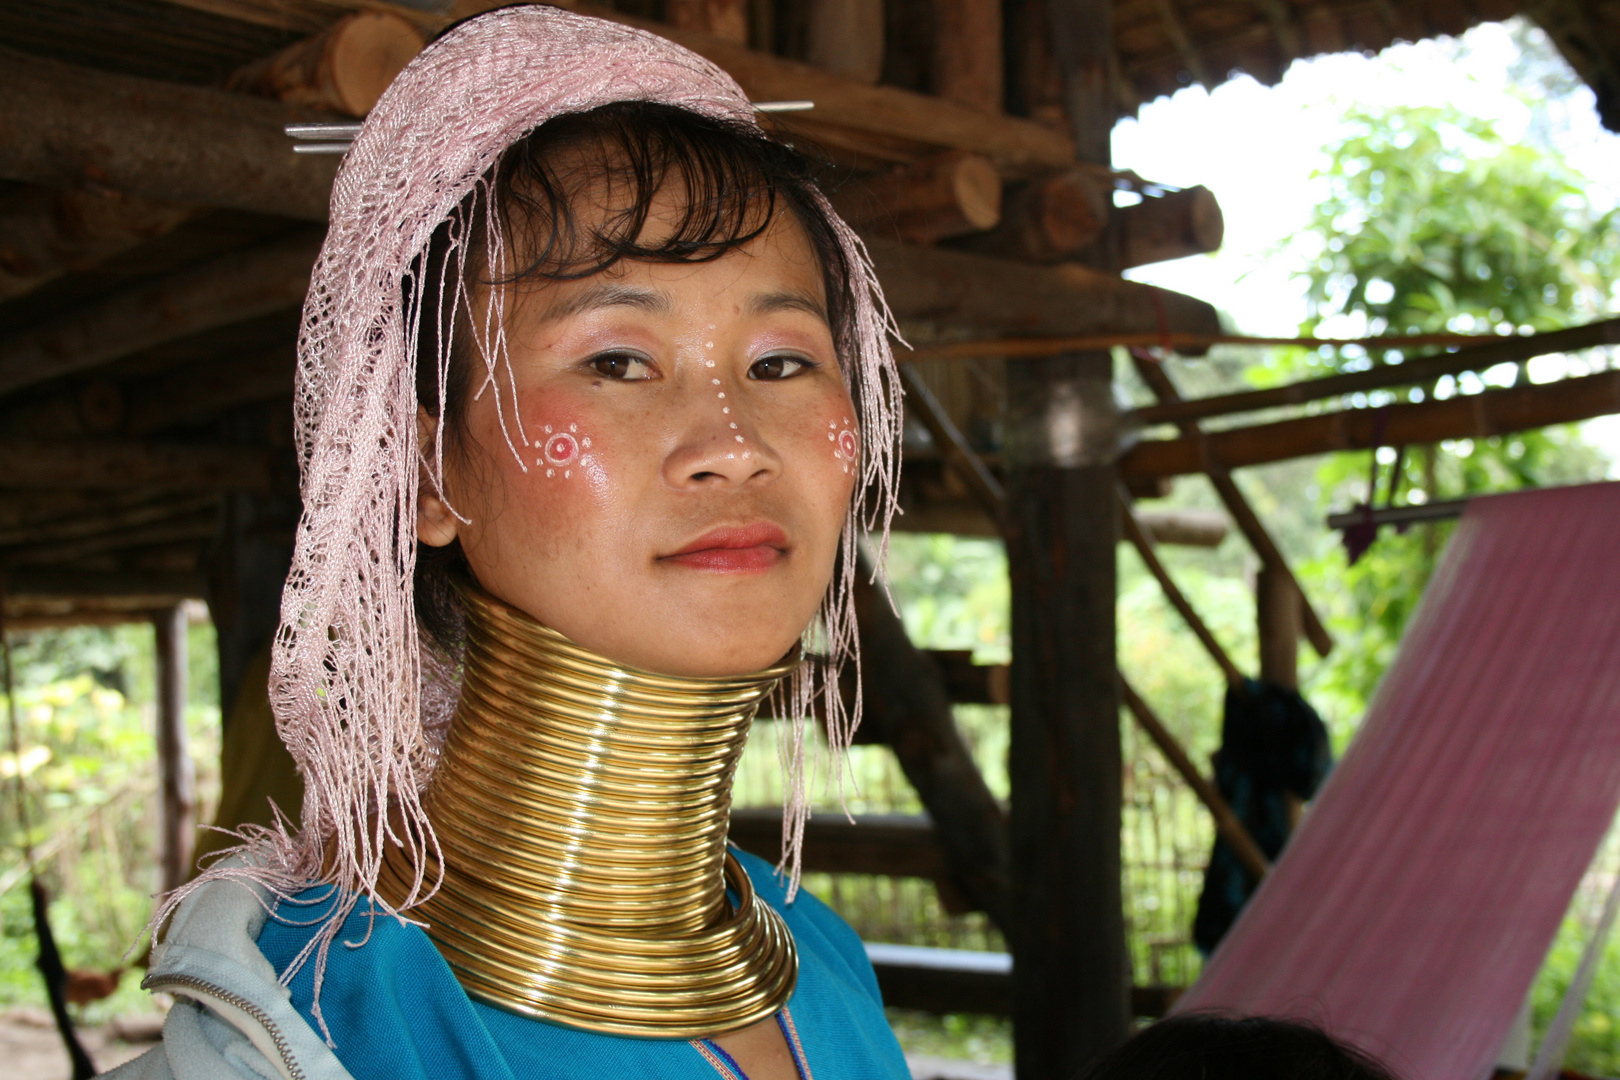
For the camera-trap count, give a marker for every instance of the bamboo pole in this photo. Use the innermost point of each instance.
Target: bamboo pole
(1227, 824)
(1477, 354)
(1476, 416)
(1237, 504)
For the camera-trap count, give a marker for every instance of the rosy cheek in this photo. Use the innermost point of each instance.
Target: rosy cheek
(562, 451)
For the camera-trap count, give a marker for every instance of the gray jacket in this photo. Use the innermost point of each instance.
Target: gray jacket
(232, 1019)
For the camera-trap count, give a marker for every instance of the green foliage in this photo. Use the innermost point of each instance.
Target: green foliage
(1433, 220)
(88, 762)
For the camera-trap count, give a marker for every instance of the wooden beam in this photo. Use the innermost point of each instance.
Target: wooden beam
(1237, 504)
(727, 19)
(967, 53)
(343, 69)
(235, 287)
(955, 288)
(1143, 542)
(118, 590)
(946, 195)
(1423, 369)
(207, 387)
(1476, 416)
(841, 102)
(102, 515)
(1164, 227)
(953, 981)
(76, 127)
(109, 464)
(1286, 30)
(173, 530)
(890, 845)
(47, 232)
(845, 37)
(176, 772)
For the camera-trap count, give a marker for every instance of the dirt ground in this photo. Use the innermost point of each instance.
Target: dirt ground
(30, 1049)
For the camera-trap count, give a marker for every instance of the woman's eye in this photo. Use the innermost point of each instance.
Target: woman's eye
(777, 367)
(627, 367)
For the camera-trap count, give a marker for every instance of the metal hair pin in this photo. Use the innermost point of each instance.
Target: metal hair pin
(336, 138)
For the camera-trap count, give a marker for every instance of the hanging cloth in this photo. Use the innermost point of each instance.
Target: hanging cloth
(1274, 748)
(1416, 902)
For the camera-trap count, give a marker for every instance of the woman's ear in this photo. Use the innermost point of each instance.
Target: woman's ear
(435, 521)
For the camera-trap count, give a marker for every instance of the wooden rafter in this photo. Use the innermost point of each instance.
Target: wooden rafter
(1476, 416)
(117, 465)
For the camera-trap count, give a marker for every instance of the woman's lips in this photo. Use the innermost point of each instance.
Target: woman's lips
(734, 550)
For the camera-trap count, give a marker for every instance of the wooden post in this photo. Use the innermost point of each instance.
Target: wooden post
(177, 821)
(846, 37)
(1279, 611)
(967, 52)
(1070, 975)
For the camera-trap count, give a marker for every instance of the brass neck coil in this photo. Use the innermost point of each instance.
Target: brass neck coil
(582, 809)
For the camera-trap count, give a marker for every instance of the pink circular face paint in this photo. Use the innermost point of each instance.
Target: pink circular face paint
(561, 449)
(848, 445)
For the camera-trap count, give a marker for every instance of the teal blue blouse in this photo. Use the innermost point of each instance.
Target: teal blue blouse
(396, 1012)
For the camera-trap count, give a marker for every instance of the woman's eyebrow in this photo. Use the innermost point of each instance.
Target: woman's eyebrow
(787, 300)
(607, 294)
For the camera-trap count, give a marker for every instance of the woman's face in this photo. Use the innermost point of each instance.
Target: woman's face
(688, 454)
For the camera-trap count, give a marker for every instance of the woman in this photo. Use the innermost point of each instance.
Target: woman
(598, 348)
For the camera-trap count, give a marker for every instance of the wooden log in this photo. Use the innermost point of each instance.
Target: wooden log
(47, 232)
(907, 708)
(343, 69)
(945, 195)
(71, 126)
(955, 288)
(889, 845)
(1183, 526)
(1227, 823)
(177, 774)
(238, 286)
(1476, 416)
(846, 37)
(967, 53)
(1047, 220)
(127, 591)
(1248, 522)
(1173, 226)
(102, 515)
(108, 464)
(1423, 369)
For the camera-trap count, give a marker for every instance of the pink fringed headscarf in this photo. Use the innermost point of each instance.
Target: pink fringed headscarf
(358, 699)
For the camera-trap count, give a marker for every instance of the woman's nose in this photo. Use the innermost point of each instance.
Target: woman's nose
(718, 443)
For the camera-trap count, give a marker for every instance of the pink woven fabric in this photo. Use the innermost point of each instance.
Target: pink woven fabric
(357, 699)
(1412, 910)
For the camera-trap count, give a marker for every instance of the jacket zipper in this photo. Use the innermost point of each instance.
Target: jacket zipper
(188, 982)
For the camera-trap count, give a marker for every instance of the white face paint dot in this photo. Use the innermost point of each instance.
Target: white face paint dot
(708, 363)
(722, 393)
(734, 424)
(708, 344)
(715, 382)
(567, 473)
(575, 427)
(739, 438)
(585, 442)
(551, 472)
(726, 411)
(548, 429)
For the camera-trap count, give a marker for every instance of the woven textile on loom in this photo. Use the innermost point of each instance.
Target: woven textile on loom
(1412, 909)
